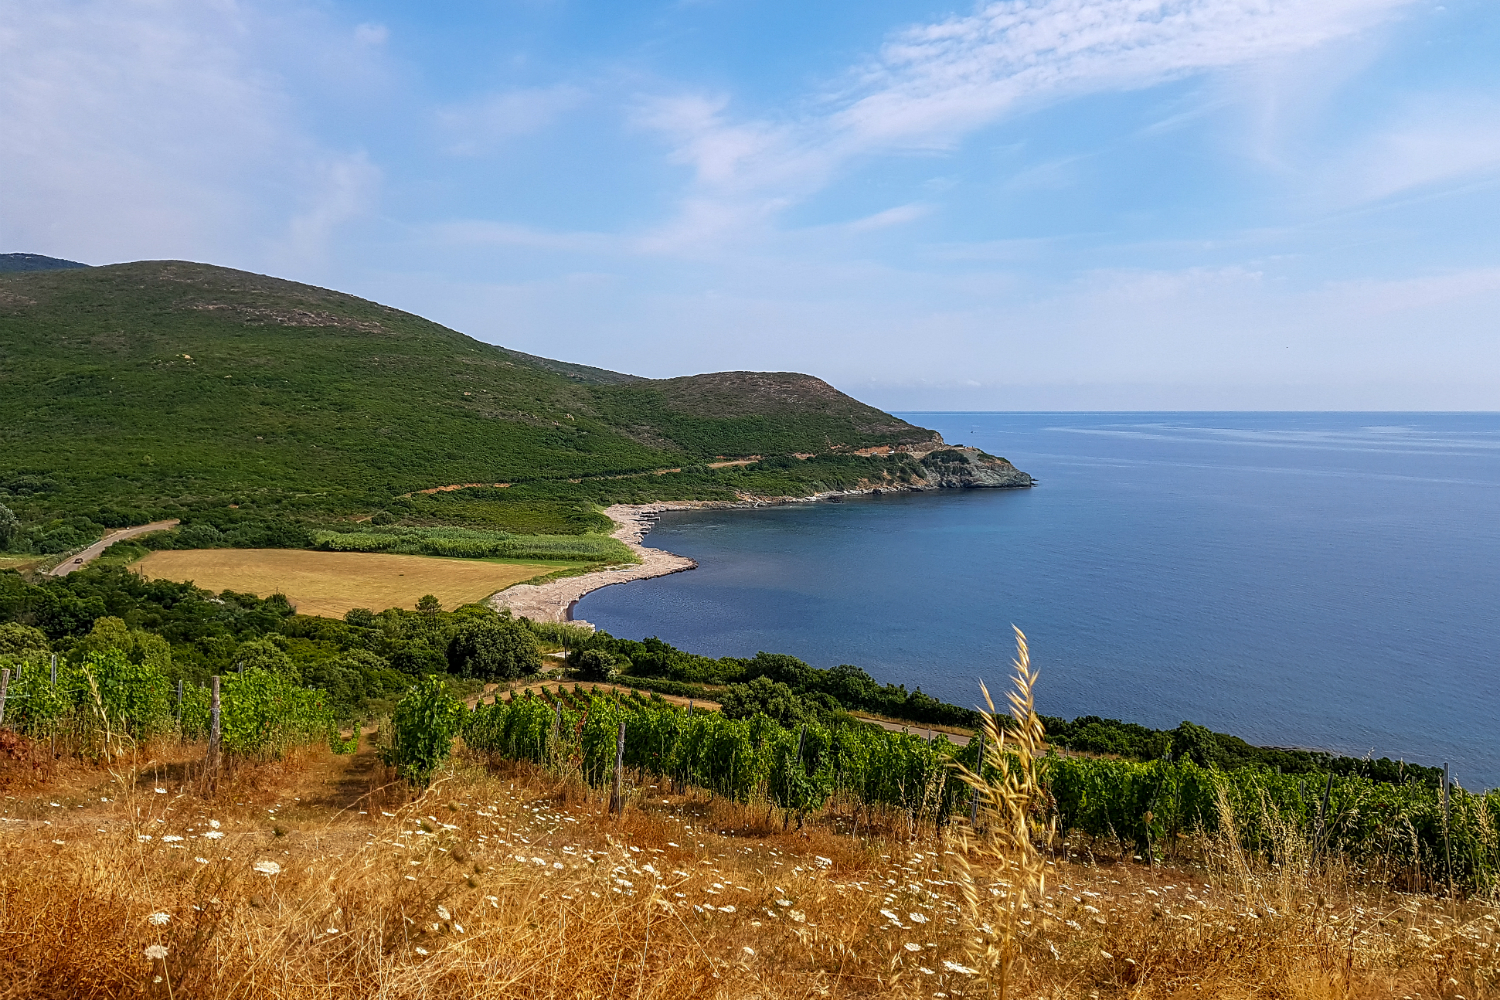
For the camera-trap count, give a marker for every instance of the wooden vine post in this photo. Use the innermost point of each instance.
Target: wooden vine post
(214, 730)
(617, 797)
(4, 687)
(1447, 851)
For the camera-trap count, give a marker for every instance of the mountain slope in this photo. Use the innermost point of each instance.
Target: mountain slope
(162, 385)
(15, 262)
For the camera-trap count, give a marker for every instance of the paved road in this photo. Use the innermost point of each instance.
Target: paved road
(96, 550)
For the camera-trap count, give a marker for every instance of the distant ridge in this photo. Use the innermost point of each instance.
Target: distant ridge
(11, 263)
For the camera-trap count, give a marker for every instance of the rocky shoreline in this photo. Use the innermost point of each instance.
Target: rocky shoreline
(553, 601)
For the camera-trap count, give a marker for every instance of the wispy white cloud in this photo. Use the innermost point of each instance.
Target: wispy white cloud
(136, 129)
(482, 124)
(340, 189)
(371, 34)
(1441, 139)
(932, 85)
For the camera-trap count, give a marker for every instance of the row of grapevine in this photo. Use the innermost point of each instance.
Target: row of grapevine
(1402, 827)
(1399, 826)
(797, 768)
(104, 700)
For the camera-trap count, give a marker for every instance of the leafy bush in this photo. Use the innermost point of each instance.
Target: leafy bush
(21, 640)
(422, 730)
(597, 665)
(762, 696)
(493, 649)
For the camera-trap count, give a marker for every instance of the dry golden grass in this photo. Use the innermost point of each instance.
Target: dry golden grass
(507, 881)
(330, 583)
(21, 563)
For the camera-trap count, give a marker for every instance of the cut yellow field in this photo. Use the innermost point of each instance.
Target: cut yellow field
(330, 583)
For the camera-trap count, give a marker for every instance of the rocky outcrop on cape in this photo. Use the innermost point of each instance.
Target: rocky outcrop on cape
(965, 468)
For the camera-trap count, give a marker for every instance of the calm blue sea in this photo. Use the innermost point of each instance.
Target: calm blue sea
(1326, 580)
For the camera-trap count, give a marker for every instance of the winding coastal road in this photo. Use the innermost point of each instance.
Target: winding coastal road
(96, 550)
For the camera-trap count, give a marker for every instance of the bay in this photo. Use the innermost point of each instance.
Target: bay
(1325, 580)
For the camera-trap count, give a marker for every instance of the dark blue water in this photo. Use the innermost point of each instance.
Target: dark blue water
(1324, 580)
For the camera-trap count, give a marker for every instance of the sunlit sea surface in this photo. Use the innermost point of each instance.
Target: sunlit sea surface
(1327, 580)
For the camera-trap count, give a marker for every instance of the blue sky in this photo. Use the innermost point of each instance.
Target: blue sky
(1032, 204)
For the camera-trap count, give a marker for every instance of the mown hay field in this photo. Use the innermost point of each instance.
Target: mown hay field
(330, 583)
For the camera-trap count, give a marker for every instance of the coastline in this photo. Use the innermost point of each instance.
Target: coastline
(553, 601)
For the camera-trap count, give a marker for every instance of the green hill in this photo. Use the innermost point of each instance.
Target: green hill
(12, 262)
(166, 388)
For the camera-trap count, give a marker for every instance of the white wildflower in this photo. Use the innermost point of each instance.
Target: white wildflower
(201, 861)
(962, 970)
(421, 951)
(916, 918)
(726, 909)
(268, 867)
(159, 919)
(214, 835)
(1105, 954)
(798, 917)
(912, 946)
(214, 823)
(749, 951)
(156, 952)
(171, 838)
(159, 791)
(442, 912)
(884, 913)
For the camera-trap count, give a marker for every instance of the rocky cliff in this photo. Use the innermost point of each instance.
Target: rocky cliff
(969, 468)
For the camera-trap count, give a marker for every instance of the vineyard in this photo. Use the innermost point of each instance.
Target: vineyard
(100, 704)
(1411, 832)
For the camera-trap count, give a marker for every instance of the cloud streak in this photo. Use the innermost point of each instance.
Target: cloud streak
(933, 85)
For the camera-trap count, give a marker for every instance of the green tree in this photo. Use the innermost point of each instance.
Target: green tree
(762, 696)
(493, 649)
(141, 648)
(263, 654)
(10, 527)
(21, 641)
(422, 730)
(597, 665)
(1197, 744)
(360, 617)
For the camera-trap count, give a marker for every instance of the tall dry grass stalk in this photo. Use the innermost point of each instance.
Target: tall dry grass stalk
(1005, 838)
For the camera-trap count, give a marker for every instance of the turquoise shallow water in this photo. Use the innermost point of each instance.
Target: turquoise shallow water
(1324, 580)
